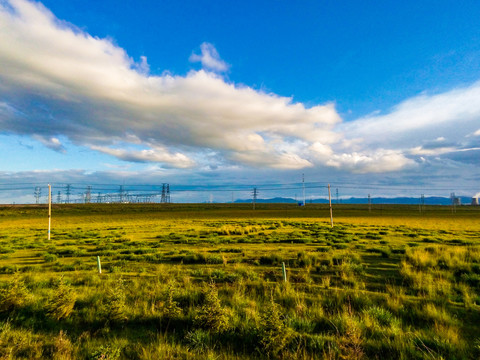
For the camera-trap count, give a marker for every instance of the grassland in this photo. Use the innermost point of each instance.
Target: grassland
(205, 282)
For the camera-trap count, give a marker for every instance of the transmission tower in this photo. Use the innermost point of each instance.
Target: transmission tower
(121, 193)
(336, 193)
(454, 202)
(68, 191)
(59, 197)
(255, 194)
(88, 194)
(37, 193)
(167, 198)
(163, 199)
(422, 203)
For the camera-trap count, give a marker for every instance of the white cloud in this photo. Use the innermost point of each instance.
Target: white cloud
(419, 150)
(149, 155)
(66, 82)
(209, 58)
(58, 82)
(50, 142)
(455, 114)
(377, 162)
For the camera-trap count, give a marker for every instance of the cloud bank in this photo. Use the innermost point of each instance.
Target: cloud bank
(57, 81)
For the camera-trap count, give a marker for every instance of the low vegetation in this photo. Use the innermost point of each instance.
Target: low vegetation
(205, 282)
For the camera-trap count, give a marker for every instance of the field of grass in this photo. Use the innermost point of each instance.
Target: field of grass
(184, 281)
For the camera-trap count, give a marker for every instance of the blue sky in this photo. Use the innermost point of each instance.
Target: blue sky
(382, 94)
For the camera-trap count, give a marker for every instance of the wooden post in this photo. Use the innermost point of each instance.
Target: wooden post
(284, 272)
(99, 265)
(330, 202)
(49, 209)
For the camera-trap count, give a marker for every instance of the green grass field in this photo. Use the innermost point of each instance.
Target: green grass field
(184, 281)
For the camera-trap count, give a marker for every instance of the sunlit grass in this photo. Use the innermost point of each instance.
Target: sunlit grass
(201, 281)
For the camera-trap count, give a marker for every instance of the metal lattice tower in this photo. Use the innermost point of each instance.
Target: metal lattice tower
(422, 203)
(164, 194)
(255, 194)
(454, 202)
(168, 194)
(37, 193)
(121, 193)
(68, 191)
(59, 197)
(88, 194)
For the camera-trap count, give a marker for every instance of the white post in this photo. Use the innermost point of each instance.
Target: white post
(49, 209)
(330, 202)
(99, 265)
(284, 272)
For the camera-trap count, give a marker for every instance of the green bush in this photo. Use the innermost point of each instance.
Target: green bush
(171, 310)
(115, 308)
(60, 306)
(212, 316)
(49, 257)
(274, 334)
(14, 295)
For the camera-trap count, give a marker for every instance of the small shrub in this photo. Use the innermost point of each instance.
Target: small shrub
(49, 258)
(61, 304)
(115, 308)
(14, 295)
(274, 334)
(171, 310)
(212, 315)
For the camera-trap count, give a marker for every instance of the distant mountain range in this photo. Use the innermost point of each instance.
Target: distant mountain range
(430, 200)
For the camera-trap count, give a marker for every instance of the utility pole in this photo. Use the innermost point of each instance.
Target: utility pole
(303, 188)
(49, 209)
(255, 193)
(330, 203)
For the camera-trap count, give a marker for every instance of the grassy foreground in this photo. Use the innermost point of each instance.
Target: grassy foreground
(205, 282)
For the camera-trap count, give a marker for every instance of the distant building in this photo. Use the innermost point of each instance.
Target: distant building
(475, 201)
